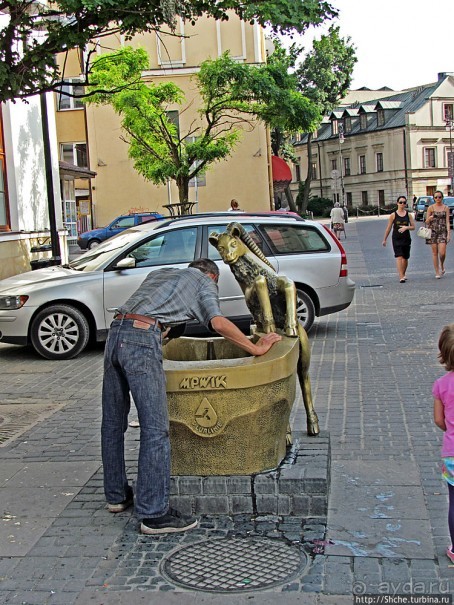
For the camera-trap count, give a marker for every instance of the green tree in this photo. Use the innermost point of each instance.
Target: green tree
(33, 33)
(233, 95)
(324, 77)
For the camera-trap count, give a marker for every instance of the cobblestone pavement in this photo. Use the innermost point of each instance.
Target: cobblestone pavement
(372, 370)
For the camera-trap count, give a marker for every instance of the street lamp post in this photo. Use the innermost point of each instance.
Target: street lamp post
(449, 126)
(341, 140)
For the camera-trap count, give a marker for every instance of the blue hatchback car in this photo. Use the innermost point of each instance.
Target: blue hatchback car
(91, 239)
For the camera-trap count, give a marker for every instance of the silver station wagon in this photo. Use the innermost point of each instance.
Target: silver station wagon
(58, 310)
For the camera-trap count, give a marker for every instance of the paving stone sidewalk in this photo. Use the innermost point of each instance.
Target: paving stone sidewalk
(372, 370)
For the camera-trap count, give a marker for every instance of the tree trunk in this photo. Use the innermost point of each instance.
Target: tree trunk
(183, 195)
(290, 200)
(307, 182)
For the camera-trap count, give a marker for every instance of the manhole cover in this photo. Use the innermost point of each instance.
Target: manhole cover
(233, 564)
(17, 418)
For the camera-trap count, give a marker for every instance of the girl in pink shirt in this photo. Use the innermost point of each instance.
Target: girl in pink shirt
(443, 392)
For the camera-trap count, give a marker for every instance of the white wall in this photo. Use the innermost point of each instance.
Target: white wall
(25, 164)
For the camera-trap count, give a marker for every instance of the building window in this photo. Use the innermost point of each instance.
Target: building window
(380, 117)
(74, 153)
(348, 124)
(174, 118)
(349, 198)
(334, 164)
(379, 158)
(362, 164)
(364, 198)
(336, 198)
(64, 102)
(429, 157)
(363, 121)
(199, 180)
(297, 173)
(314, 170)
(334, 127)
(448, 113)
(347, 169)
(381, 197)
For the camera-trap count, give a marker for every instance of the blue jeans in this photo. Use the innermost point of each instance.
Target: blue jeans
(133, 364)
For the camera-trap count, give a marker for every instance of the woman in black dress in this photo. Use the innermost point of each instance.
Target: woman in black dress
(401, 222)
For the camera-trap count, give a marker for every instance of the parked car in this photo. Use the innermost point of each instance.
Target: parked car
(420, 206)
(449, 201)
(91, 239)
(59, 309)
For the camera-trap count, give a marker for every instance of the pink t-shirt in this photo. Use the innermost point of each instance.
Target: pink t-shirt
(443, 389)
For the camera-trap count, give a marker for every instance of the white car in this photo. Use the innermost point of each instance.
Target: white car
(59, 309)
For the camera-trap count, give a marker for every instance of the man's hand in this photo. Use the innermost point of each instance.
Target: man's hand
(228, 330)
(264, 344)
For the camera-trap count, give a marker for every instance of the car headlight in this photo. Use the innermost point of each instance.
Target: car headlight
(12, 302)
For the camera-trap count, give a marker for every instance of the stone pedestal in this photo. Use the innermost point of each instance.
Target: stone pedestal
(298, 487)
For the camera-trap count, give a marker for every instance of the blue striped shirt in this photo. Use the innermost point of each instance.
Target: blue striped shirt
(174, 296)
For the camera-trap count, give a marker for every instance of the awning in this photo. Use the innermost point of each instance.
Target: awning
(67, 169)
(282, 175)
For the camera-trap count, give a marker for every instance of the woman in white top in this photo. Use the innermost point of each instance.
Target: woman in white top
(337, 219)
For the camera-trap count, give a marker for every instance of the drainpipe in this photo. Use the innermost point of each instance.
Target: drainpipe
(320, 169)
(54, 238)
(270, 168)
(405, 161)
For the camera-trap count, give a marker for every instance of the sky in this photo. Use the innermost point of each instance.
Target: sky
(399, 43)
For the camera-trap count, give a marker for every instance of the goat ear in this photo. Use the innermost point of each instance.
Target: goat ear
(234, 229)
(213, 239)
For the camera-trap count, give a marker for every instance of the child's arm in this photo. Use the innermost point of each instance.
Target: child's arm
(439, 414)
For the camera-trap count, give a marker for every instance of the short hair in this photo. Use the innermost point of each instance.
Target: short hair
(205, 265)
(446, 347)
(234, 203)
(336, 205)
(400, 197)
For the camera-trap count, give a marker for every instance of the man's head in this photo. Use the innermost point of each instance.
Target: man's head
(207, 266)
(234, 204)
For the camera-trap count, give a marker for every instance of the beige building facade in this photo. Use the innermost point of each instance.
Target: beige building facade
(92, 134)
(371, 151)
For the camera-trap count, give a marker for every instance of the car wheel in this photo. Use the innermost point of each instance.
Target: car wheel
(305, 309)
(59, 332)
(93, 243)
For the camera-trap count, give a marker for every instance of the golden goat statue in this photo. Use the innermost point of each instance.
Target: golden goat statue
(271, 300)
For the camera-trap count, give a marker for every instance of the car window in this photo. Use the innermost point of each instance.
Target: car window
(123, 223)
(213, 254)
(289, 239)
(166, 248)
(146, 218)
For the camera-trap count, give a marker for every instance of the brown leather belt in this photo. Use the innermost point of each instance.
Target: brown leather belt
(143, 318)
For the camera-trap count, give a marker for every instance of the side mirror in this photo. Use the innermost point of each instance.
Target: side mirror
(126, 263)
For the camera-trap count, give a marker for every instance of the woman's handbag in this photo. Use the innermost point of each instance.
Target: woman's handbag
(424, 232)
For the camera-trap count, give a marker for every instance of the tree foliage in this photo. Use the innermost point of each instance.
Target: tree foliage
(324, 77)
(32, 33)
(232, 96)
